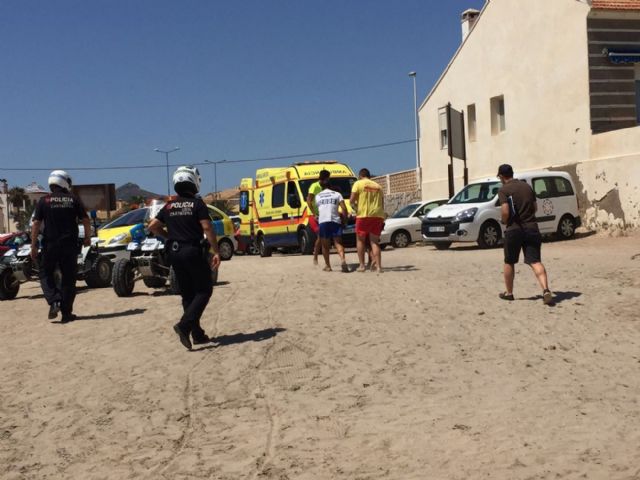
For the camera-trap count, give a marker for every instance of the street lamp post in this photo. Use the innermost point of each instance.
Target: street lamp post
(215, 175)
(166, 158)
(415, 117)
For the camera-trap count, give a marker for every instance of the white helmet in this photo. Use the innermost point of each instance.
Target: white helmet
(187, 174)
(60, 178)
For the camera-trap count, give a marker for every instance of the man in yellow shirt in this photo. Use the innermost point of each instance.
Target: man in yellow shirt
(367, 198)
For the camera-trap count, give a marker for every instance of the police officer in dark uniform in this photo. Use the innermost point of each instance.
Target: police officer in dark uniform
(56, 216)
(192, 257)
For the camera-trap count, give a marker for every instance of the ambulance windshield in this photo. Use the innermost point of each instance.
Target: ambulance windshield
(340, 184)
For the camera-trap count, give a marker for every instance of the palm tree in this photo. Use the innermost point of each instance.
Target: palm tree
(17, 199)
(22, 218)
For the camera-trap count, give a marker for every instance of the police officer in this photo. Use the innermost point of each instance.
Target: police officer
(187, 221)
(56, 216)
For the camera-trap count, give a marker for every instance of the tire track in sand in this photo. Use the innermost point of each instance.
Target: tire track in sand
(189, 401)
(263, 462)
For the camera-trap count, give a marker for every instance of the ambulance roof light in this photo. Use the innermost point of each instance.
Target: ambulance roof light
(316, 162)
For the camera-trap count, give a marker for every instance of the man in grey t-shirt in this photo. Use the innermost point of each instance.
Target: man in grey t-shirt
(518, 204)
(329, 202)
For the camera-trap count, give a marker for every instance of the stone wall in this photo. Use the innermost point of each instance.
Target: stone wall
(400, 188)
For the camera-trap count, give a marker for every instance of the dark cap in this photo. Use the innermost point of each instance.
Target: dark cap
(505, 170)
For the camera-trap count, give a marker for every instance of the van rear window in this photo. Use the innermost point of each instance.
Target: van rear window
(562, 186)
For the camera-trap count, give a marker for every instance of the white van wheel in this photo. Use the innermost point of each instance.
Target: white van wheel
(566, 228)
(490, 234)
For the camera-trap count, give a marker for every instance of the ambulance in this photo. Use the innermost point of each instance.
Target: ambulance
(273, 208)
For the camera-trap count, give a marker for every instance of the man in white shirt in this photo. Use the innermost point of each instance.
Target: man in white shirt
(330, 221)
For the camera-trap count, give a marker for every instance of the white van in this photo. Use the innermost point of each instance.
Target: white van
(473, 215)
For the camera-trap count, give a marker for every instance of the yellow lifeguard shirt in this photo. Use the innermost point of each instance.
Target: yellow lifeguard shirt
(370, 198)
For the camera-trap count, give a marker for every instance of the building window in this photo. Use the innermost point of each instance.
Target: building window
(471, 122)
(498, 123)
(444, 131)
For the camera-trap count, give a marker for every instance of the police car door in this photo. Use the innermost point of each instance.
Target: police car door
(547, 209)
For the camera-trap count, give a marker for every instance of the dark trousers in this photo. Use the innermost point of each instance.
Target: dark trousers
(65, 259)
(194, 279)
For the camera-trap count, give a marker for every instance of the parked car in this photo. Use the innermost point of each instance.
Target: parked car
(130, 227)
(405, 225)
(473, 214)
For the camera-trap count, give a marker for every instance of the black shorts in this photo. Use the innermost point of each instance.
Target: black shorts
(525, 239)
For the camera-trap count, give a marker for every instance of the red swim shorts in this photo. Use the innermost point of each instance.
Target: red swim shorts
(313, 225)
(366, 226)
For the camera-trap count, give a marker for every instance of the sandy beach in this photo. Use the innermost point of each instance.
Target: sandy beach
(418, 373)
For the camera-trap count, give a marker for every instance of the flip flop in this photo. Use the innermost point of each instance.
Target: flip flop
(361, 269)
(506, 296)
(547, 297)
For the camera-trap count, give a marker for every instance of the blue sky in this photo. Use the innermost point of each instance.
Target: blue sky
(104, 82)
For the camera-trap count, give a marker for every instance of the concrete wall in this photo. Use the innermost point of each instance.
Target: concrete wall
(611, 180)
(400, 188)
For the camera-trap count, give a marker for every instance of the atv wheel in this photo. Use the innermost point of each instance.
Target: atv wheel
(154, 282)
(100, 274)
(9, 286)
(123, 277)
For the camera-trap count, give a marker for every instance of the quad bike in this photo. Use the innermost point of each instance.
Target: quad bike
(148, 262)
(17, 267)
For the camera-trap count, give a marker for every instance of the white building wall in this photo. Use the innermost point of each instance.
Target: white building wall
(536, 55)
(543, 75)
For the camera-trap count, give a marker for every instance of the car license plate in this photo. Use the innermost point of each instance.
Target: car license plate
(436, 229)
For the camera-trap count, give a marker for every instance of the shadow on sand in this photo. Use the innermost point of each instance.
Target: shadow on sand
(258, 336)
(558, 297)
(106, 316)
(79, 290)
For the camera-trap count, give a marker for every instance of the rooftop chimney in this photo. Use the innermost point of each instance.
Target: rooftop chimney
(468, 20)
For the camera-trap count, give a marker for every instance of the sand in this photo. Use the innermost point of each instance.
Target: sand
(418, 373)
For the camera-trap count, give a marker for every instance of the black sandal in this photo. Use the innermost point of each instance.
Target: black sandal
(506, 296)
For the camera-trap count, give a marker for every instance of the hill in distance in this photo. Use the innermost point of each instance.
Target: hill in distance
(129, 190)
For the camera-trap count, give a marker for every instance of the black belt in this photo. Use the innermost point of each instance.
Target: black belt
(176, 244)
